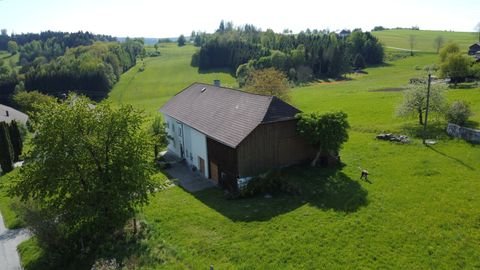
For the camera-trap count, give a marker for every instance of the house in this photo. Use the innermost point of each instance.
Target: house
(7, 114)
(474, 48)
(228, 134)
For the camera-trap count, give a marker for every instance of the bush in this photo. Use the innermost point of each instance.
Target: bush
(270, 182)
(459, 112)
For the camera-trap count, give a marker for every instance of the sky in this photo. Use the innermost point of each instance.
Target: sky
(144, 18)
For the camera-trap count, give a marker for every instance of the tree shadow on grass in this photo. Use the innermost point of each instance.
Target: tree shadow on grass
(459, 161)
(435, 130)
(327, 189)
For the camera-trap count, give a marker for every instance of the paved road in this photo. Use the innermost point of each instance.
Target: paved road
(9, 240)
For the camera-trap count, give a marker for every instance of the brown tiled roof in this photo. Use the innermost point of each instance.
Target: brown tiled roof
(224, 114)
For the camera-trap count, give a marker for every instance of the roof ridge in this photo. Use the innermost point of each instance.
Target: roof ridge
(230, 88)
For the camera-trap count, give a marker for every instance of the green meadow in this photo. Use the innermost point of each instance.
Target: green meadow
(419, 209)
(425, 39)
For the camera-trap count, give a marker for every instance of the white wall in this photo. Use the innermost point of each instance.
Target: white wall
(199, 149)
(194, 143)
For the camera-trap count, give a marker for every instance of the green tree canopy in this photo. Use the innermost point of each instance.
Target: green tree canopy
(326, 132)
(450, 48)
(268, 82)
(12, 47)
(456, 67)
(89, 168)
(181, 40)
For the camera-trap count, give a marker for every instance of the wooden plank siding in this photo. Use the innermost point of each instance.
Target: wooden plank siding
(225, 162)
(272, 145)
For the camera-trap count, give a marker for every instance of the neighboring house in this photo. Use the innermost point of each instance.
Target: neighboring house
(7, 114)
(228, 134)
(344, 33)
(474, 49)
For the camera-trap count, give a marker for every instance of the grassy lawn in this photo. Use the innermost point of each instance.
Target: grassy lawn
(419, 210)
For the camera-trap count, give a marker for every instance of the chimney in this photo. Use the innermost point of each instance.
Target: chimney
(216, 83)
(6, 113)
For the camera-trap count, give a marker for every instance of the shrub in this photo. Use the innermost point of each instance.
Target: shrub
(270, 182)
(459, 112)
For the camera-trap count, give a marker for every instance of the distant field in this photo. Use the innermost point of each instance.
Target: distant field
(424, 38)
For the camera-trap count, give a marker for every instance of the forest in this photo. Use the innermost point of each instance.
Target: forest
(302, 57)
(57, 62)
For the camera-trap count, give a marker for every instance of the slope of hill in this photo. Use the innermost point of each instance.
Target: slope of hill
(162, 78)
(424, 39)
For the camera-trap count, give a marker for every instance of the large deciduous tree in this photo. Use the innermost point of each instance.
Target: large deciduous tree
(415, 101)
(456, 67)
(326, 132)
(268, 82)
(88, 169)
(12, 47)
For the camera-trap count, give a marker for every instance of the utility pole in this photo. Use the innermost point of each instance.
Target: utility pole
(426, 111)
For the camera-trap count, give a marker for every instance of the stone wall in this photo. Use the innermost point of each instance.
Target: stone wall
(468, 134)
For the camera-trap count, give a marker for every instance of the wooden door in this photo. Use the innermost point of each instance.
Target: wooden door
(214, 172)
(201, 165)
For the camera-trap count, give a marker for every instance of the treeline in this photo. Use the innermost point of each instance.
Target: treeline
(305, 56)
(57, 62)
(90, 70)
(63, 39)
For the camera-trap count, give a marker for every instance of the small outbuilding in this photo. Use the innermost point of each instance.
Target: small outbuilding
(227, 134)
(474, 49)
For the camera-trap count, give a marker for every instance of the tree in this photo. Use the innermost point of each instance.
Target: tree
(16, 140)
(181, 41)
(30, 101)
(415, 100)
(359, 62)
(159, 133)
(192, 36)
(448, 49)
(156, 46)
(459, 112)
(268, 82)
(456, 67)
(12, 47)
(88, 168)
(6, 149)
(412, 40)
(326, 132)
(438, 43)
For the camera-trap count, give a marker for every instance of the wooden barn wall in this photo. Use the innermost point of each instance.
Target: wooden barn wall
(223, 156)
(272, 145)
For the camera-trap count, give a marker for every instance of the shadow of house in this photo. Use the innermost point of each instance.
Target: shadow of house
(326, 189)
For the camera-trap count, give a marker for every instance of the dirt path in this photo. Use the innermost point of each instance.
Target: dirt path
(9, 240)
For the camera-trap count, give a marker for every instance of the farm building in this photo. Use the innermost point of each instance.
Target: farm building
(228, 134)
(474, 48)
(8, 114)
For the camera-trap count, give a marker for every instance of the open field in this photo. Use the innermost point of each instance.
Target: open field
(420, 210)
(424, 40)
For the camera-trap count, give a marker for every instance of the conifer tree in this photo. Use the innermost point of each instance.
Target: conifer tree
(6, 149)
